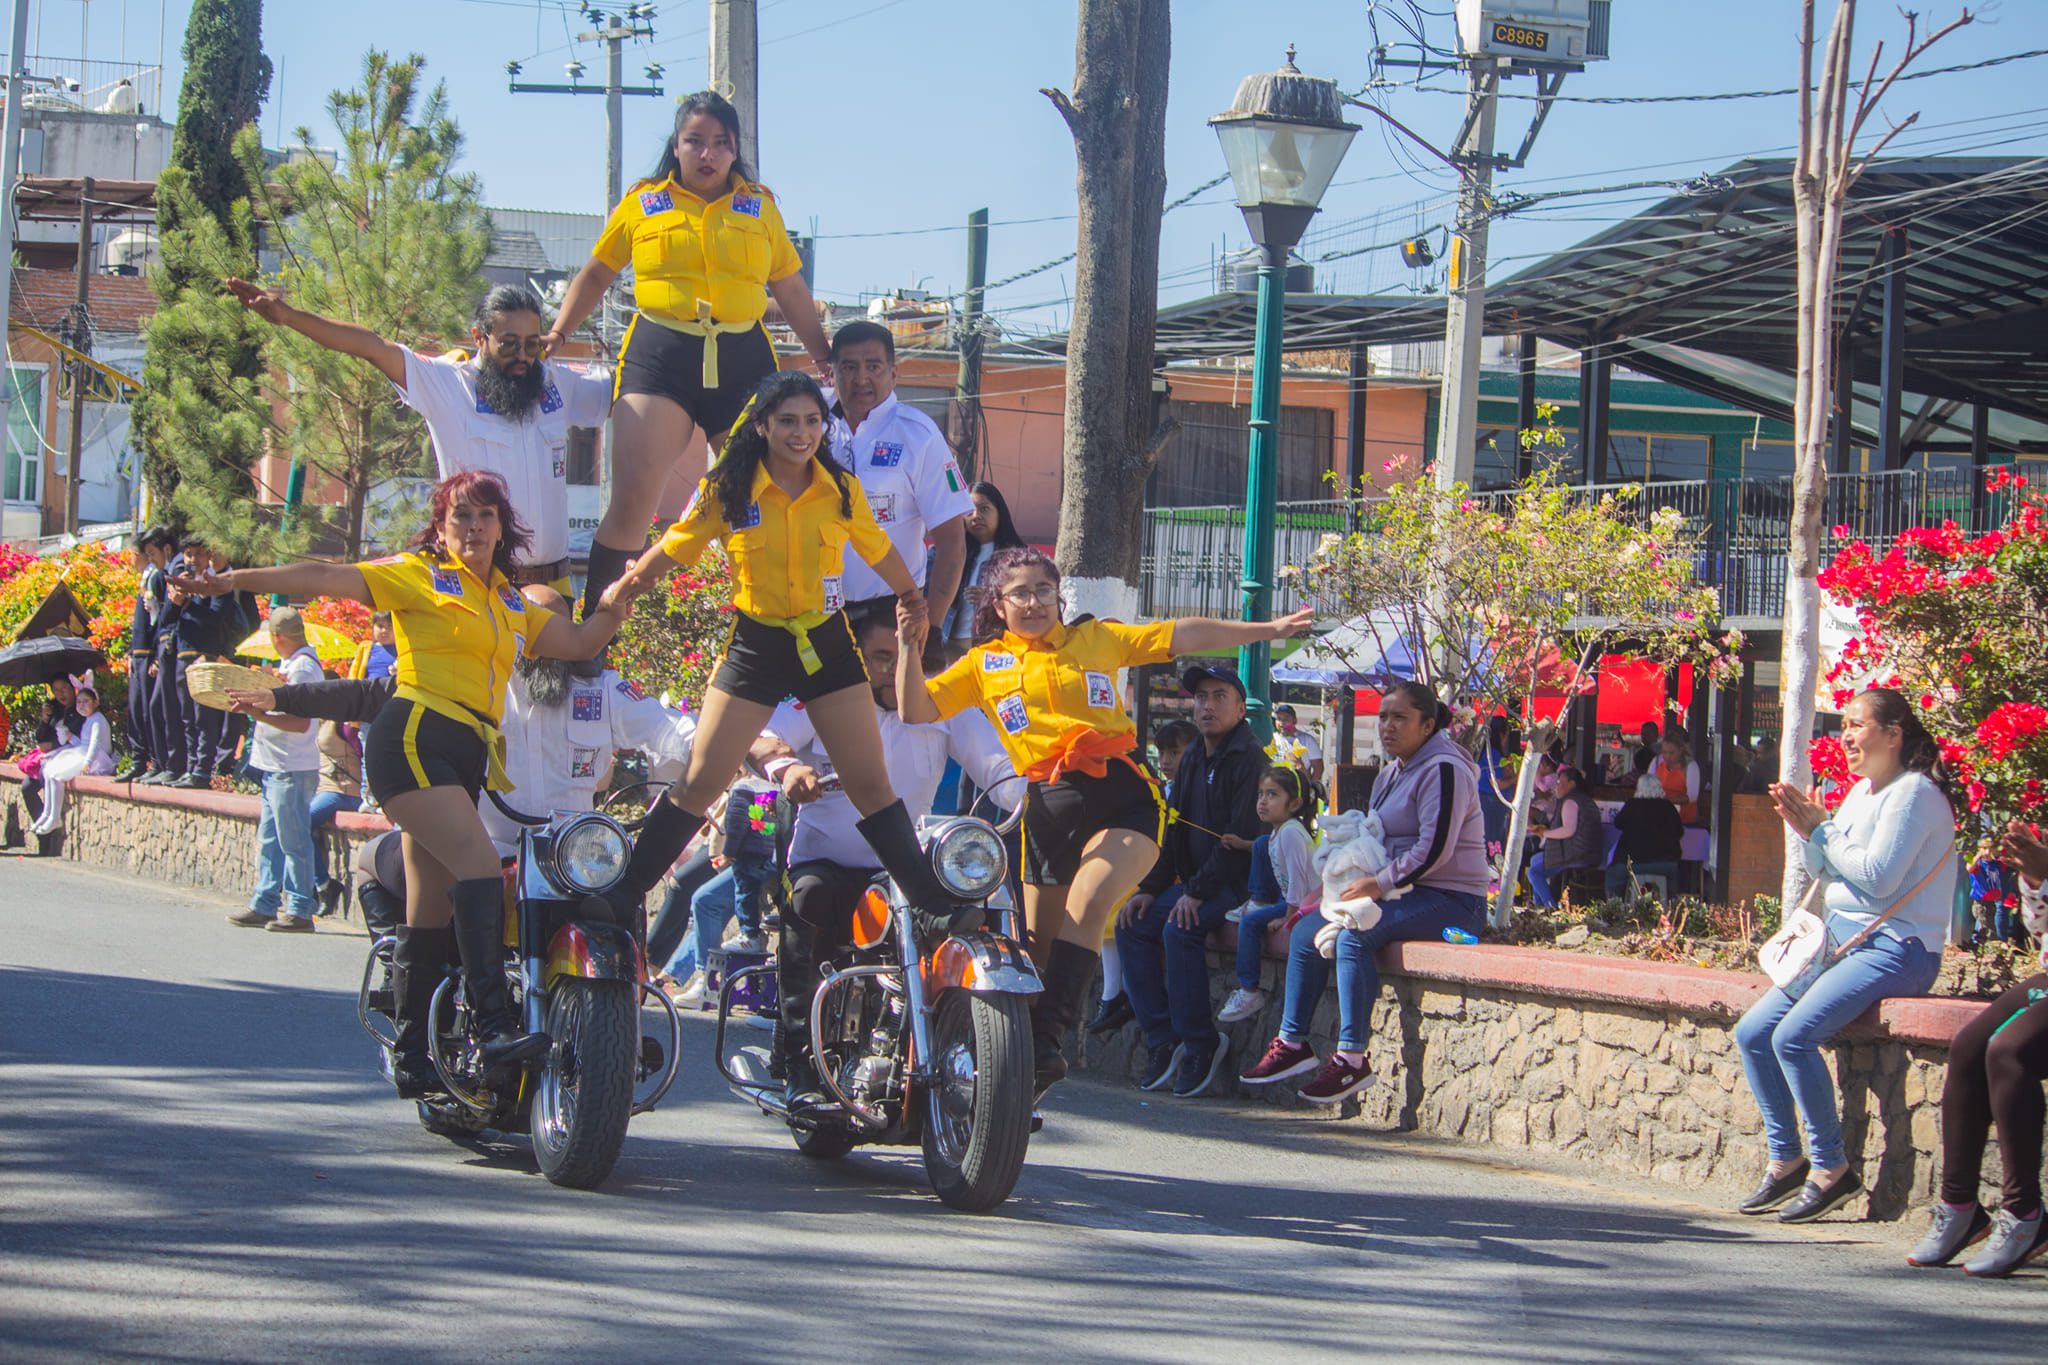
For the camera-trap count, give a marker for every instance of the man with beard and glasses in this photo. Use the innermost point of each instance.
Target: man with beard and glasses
(502, 410)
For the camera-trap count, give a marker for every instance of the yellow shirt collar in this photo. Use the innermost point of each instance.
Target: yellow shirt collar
(1053, 639)
(763, 482)
(739, 186)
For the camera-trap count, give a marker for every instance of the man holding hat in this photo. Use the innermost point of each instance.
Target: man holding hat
(1163, 930)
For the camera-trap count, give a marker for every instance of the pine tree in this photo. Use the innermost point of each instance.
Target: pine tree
(200, 415)
(392, 237)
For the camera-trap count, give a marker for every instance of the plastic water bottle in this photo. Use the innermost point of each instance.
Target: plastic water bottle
(1457, 935)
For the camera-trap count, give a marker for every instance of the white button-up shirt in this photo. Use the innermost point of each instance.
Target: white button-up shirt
(558, 757)
(531, 456)
(912, 483)
(828, 828)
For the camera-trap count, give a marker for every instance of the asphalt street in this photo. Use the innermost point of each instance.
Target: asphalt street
(198, 1161)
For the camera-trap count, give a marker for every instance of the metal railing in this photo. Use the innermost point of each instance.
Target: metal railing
(1192, 560)
(89, 86)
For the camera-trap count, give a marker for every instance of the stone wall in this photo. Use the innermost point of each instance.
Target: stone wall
(202, 839)
(1625, 1065)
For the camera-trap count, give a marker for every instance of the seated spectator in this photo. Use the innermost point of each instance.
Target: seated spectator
(90, 754)
(1652, 837)
(744, 859)
(1572, 838)
(1282, 878)
(50, 737)
(340, 789)
(1680, 776)
(1171, 740)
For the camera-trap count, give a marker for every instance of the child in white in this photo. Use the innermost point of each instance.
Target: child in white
(90, 754)
(1283, 878)
(1354, 846)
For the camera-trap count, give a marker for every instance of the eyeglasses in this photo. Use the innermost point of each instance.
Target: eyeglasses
(532, 346)
(1045, 595)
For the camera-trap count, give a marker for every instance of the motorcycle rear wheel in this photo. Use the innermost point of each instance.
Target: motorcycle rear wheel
(978, 1109)
(584, 1092)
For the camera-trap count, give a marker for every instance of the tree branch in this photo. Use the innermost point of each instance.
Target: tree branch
(1067, 109)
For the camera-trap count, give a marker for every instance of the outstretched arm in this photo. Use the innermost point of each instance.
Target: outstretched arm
(584, 291)
(346, 337)
(562, 638)
(1195, 634)
(309, 579)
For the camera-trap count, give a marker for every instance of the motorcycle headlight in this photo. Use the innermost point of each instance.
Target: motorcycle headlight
(590, 854)
(970, 859)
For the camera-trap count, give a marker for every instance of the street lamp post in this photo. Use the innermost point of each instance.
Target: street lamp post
(1283, 139)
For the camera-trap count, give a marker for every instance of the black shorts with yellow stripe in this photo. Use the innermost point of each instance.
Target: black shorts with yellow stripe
(1061, 817)
(761, 662)
(670, 364)
(411, 748)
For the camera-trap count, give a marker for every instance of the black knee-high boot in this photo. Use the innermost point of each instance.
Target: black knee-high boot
(655, 848)
(419, 961)
(894, 839)
(1069, 977)
(796, 982)
(479, 929)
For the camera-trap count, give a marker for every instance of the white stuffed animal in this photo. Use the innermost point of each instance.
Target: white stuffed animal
(1353, 845)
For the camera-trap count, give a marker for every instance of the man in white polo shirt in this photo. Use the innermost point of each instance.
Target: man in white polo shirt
(502, 410)
(904, 467)
(286, 751)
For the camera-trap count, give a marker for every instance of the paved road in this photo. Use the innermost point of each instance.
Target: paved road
(197, 1162)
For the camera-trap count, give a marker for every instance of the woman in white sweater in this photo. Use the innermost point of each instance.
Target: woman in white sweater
(1891, 844)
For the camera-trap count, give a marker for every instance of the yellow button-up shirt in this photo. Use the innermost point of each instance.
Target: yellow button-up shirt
(788, 552)
(683, 249)
(1035, 691)
(457, 637)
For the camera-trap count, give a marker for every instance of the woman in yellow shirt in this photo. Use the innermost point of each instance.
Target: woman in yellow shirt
(460, 625)
(1093, 817)
(707, 246)
(786, 512)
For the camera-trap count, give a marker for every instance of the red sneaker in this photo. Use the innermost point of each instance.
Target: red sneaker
(1283, 1061)
(1338, 1080)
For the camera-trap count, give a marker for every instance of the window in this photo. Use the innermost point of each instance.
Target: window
(22, 478)
(1204, 465)
(583, 456)
(1493, 462)
(1766, 459)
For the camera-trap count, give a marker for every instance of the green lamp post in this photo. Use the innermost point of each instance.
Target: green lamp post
(1283, 139)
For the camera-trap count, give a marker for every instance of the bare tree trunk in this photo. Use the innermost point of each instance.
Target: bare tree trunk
(1117, 116)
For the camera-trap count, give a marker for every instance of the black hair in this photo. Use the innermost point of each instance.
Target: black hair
(1642, 761)
(1175, 734)
(158, 535)
(507, 298)
(88, 692)
(1918, 750)
(1649, 732)
(732, 478)
(1006, 537)
(703, 102)
(1422, 699)
(859, 330)
(1298, 787)
(1568, 770)
(190, 539)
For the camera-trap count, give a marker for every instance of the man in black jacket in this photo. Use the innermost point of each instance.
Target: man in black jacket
(1163, 930)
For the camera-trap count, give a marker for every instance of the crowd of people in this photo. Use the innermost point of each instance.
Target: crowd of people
(849, 683)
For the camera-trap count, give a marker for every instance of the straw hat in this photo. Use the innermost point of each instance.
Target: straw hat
(209, 683)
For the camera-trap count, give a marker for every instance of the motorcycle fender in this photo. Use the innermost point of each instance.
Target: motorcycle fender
(981, 962)
(602, 952)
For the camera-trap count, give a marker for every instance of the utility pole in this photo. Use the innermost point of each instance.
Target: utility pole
(967, 387)
(1465, 309)
(10, 171)
(736, 69)
(80, 326)
(614, 31)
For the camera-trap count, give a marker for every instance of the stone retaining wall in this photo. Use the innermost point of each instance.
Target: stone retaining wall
(1626, 1065)
(203, 839)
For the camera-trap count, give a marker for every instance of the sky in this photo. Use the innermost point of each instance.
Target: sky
(885, 122)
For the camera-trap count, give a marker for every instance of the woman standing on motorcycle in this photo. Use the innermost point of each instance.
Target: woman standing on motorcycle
(786, 513)
(460, 625)
(1093, 816)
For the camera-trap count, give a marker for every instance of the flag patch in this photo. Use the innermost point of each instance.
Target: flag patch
(448, 582)
(751, 519)
(587, 706)
(887, 455)
(747, 205)
(656, 201)
(1010, 711)
(509, 595)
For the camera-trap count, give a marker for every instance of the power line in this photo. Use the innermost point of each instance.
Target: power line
(1745, 94)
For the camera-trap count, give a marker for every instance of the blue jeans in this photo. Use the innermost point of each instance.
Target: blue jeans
(1252, 922)
(1781, 1040)
(1540, 873)
(326, 805)
(1424, 913)
(668, 937)
(284, 844)
(713, 906)
(1166, 970)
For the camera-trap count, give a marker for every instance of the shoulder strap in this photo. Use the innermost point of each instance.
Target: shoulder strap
(1947, 854)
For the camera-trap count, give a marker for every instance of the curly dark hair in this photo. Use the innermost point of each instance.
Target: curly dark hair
(732, 478)
(988, 621)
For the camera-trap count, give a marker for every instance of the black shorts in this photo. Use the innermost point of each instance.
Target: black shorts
(1061, 817)
(411, 748)
(662, 361)
(761, 663)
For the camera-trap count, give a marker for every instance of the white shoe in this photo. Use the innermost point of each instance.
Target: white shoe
(1233, 915)
(1242, 1004)
(692, 994)
(745, 943)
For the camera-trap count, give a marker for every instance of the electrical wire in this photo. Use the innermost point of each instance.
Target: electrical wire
(1747, 94)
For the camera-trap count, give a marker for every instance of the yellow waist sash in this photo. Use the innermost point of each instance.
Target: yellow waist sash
(801, 627)
(709, 328)
(497, 779)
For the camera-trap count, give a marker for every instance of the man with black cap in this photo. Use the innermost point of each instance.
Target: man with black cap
(1162, 932)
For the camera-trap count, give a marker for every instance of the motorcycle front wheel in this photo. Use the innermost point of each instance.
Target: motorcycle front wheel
(978, 1107)
(584, 1094)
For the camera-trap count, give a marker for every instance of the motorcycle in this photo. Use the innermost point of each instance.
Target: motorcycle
(916, 1043)
(574, 974)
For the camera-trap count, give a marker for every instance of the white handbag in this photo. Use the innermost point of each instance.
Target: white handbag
(1795, 956)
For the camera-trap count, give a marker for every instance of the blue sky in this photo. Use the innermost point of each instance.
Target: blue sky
(894, 116)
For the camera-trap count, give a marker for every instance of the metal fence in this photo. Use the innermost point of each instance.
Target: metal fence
(1193, 558)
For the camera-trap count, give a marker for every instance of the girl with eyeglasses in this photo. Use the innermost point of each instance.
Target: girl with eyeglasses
(1093, 817)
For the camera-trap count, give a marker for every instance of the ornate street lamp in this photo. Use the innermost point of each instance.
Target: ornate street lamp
(1283, 139)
